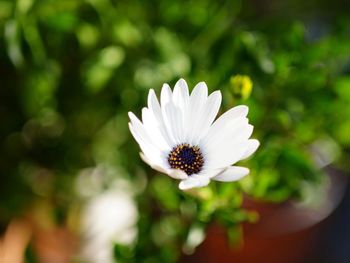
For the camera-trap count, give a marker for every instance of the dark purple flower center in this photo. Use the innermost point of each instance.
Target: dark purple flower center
(186, 158)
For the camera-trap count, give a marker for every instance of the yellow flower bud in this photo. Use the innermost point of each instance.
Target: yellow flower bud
(241, 86)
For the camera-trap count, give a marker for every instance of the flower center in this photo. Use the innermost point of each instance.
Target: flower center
(186, 158)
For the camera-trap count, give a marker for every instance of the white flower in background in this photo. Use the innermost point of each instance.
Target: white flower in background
(178, 137)
(108, 218)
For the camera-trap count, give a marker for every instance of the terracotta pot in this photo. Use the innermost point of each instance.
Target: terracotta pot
(286, 233)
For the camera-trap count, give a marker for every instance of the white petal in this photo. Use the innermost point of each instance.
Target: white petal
(180, 95)
(194, 181)
(229, 117)
(165, 94)
(155, 166)
(154, 107)
(232, 173)
(233, 131)
(225, 155)
(153, 104)
(198, 99)
(181, 103)
(207, 117)
(147, 144)
(139, 132)
(149, 150)
(154, 130)
(147, 133)
(235, 112)
(177, 174)
(252, 146)
(226, 143)
(172, 115)
(174, 173)
(210, 172)
(199, 92)
(173, 121)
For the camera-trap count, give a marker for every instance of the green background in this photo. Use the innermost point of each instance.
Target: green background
(71, 70)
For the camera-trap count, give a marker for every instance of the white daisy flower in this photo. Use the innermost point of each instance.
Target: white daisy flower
(179, 137)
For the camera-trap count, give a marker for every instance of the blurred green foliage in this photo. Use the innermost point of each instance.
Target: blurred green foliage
(71, 70)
